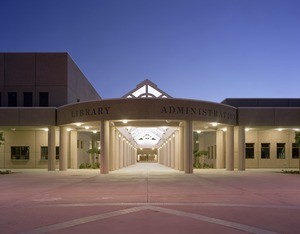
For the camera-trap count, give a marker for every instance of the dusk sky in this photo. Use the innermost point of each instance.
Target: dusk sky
(202, 49)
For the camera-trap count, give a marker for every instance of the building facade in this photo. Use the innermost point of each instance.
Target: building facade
(52, 117)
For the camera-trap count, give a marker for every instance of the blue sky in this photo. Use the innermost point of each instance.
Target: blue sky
(206, 50)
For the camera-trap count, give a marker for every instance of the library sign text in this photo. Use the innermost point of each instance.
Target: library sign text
(204, 112)
(91, 111)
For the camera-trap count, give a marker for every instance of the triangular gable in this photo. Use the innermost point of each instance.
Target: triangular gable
(146, 89)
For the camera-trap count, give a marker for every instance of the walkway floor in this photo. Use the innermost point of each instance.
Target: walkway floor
(149, 198)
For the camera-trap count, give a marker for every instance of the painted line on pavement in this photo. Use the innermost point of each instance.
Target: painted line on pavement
(84, 220)
(221, 222)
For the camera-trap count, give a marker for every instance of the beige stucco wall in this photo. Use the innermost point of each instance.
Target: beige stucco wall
(273, 137)
(33, 139)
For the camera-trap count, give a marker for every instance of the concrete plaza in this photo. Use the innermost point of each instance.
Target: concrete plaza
(149, 198)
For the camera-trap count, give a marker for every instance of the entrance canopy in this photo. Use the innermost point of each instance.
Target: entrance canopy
(146, 116)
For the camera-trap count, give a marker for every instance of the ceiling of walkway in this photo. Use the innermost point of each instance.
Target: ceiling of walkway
(147, 137)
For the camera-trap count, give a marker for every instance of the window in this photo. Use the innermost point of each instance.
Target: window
(20, 153)
(265, 150)
(44, 152)
(44, 99)
(12, 99)
(249, 150)
(295, 151)
(27, 99)
(280, 150)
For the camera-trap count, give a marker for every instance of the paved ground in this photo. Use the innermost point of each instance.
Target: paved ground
(149, 198)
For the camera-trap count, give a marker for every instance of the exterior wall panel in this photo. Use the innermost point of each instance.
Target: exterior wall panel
(280, 116)
(1, 71)
(51, 69)
(19, 69)
(79, 88)
(27, 116)
(57, 95)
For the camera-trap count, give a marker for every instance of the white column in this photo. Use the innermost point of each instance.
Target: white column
(158, 155)
(73, 150)
(230, 149)
(188, 147)
(166, 153)
(124, 153)
(121, 151)
(220, 150)
(51, 148)
(169, 152)
(112, 156)
(117, 149)
(104, 141)
(241, 148)
(177, 150)
(63, 149)
(181, 148)
(173, 151)
(132, 155)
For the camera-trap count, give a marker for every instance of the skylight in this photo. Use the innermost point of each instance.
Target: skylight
(146, 89)
(146, 137)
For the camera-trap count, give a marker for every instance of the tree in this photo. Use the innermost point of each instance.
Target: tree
(197, 155)
(297, 142)
(94, 151)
